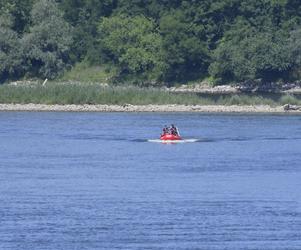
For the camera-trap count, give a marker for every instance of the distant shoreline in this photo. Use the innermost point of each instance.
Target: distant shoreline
(149, 108)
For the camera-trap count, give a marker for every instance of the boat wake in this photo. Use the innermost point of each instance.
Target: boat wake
(173, 141)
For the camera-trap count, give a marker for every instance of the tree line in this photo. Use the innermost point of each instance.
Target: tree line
(153, 40)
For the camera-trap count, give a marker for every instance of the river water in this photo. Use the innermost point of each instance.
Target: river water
(93, 181)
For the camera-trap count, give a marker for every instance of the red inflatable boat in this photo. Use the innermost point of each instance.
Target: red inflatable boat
(170, 137)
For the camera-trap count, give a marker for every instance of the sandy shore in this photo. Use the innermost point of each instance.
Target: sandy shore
(146, 108)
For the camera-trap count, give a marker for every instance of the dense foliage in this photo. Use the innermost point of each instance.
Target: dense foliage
(153, 41)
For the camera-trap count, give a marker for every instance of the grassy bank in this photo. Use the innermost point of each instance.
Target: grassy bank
(96, 94)
(83, 72)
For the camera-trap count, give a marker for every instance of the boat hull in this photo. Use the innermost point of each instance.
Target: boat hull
(168, 137)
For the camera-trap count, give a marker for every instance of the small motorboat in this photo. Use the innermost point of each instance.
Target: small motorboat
(170, 137)
(170, 134)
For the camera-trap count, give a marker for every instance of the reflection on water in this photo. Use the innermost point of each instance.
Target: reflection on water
(93, 181)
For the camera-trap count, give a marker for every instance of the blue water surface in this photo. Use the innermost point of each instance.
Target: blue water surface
(93, 181)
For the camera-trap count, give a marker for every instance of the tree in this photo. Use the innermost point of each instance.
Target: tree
(84, 16)
(47, 44)
(10, 54)
(133, 44)
(294, 47)
(20, 13)
(162, 40)
(186, 52)
(150, 8)
(245, 53)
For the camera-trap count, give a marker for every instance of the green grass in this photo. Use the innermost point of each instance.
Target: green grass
(55, 93)
(83, 72)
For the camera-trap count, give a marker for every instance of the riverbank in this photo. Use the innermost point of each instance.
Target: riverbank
(96, 94)
(149, 108)
(243, 88)
(246, 87)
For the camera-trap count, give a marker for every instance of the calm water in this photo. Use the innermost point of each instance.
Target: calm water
(92, 181)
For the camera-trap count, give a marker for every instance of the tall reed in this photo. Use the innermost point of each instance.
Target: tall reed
(54, 93)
